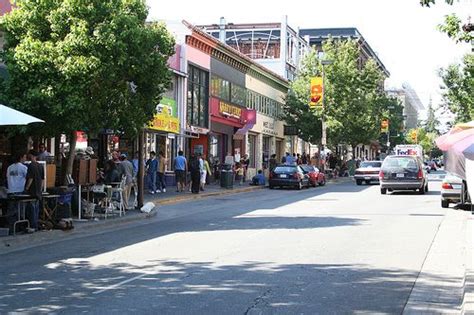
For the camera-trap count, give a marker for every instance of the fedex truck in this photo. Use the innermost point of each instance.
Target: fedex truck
(409, 149)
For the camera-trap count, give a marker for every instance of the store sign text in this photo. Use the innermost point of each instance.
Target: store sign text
(230, 110)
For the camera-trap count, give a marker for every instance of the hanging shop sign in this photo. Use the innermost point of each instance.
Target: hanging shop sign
(166, 117)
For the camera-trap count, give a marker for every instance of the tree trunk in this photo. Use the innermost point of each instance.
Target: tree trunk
(72, 154)
(141, 169)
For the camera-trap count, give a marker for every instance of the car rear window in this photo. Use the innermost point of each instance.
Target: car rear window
(285, 169)
(370, 164)
(401, 162)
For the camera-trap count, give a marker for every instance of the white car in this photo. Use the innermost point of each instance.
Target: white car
(368, 172)
(450, 190)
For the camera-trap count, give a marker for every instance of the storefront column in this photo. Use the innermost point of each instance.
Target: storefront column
(259, 150)
(272, 145)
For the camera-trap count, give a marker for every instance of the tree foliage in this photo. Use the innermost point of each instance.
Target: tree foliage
(353, 96)
(85, 65)
(431, 124)
(452, 25)
(458, 89)
(424, 138)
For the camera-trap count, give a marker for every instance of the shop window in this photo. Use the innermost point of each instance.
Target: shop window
(238, 95)
(198, 98)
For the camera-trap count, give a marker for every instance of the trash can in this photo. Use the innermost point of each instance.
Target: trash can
(227, 176)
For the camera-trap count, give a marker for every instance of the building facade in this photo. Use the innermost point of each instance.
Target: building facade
(232, 104)
(279, 48)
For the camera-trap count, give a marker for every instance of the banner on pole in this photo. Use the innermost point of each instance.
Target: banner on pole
(316, 90)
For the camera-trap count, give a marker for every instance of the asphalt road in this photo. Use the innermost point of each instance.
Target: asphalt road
(336, 249)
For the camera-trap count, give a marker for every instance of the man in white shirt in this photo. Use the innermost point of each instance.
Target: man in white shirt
(16, 179)
(16, 175)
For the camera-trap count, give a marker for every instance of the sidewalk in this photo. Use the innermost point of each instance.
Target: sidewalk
(442, 287)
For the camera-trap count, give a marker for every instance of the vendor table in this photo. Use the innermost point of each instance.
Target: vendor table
(21, 200)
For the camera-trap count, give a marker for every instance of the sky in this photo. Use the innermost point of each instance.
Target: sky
(401, 32)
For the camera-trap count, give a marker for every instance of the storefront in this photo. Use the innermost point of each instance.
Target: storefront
(229, 125)
(264, 139)
(162, 131)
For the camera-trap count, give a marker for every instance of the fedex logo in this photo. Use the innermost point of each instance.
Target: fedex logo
(406, 152)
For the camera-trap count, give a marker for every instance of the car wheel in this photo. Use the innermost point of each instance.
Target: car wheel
(383, 191)
(444, 204)
(358, 182)
(426, 188)
(421, 191)
(271, 186)
(367, 182)
(322, 183)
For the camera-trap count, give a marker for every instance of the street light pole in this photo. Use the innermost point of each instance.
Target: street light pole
(323, 122)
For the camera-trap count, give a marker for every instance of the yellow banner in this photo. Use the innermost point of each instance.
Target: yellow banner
(163, 121)
(316, 92)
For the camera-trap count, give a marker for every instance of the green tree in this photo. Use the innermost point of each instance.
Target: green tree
(352, 96)
(458, 89)
(85, 65)
(431, 124)
(452, 25)
(423, 138)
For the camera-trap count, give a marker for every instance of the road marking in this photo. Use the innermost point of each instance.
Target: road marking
(120, 283)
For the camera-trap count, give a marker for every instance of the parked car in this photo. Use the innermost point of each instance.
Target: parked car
(403, 172)
(368, 172)
(450, 190)
(288, 175)
(315, 176)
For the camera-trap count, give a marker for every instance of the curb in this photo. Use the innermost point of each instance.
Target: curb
(173, 200)
(468, 285)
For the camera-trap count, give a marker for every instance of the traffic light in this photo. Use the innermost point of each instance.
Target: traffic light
(414, 135)
(316, 93)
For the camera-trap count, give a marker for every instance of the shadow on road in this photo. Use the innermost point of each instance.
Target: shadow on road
(165, 287)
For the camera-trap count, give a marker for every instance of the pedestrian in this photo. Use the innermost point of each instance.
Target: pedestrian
(299, 161)
(162, 162)
(283, 159)
(195, 170)
(259, 179)
(34, 187)
(16, 180)
(289, 159)
(180, 170)
(43, 154)
(152, 168)
(272, 162)
(239, 173)
(205, 171)
(314, 159)
(111, 174)
(245, 166)
(125, 168)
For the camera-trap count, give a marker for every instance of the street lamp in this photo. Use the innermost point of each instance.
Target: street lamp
(324, 62)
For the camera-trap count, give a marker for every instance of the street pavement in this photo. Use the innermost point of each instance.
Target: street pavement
(336, 249)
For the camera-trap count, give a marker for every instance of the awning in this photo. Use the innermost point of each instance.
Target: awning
(12, 117)
(240, 133)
